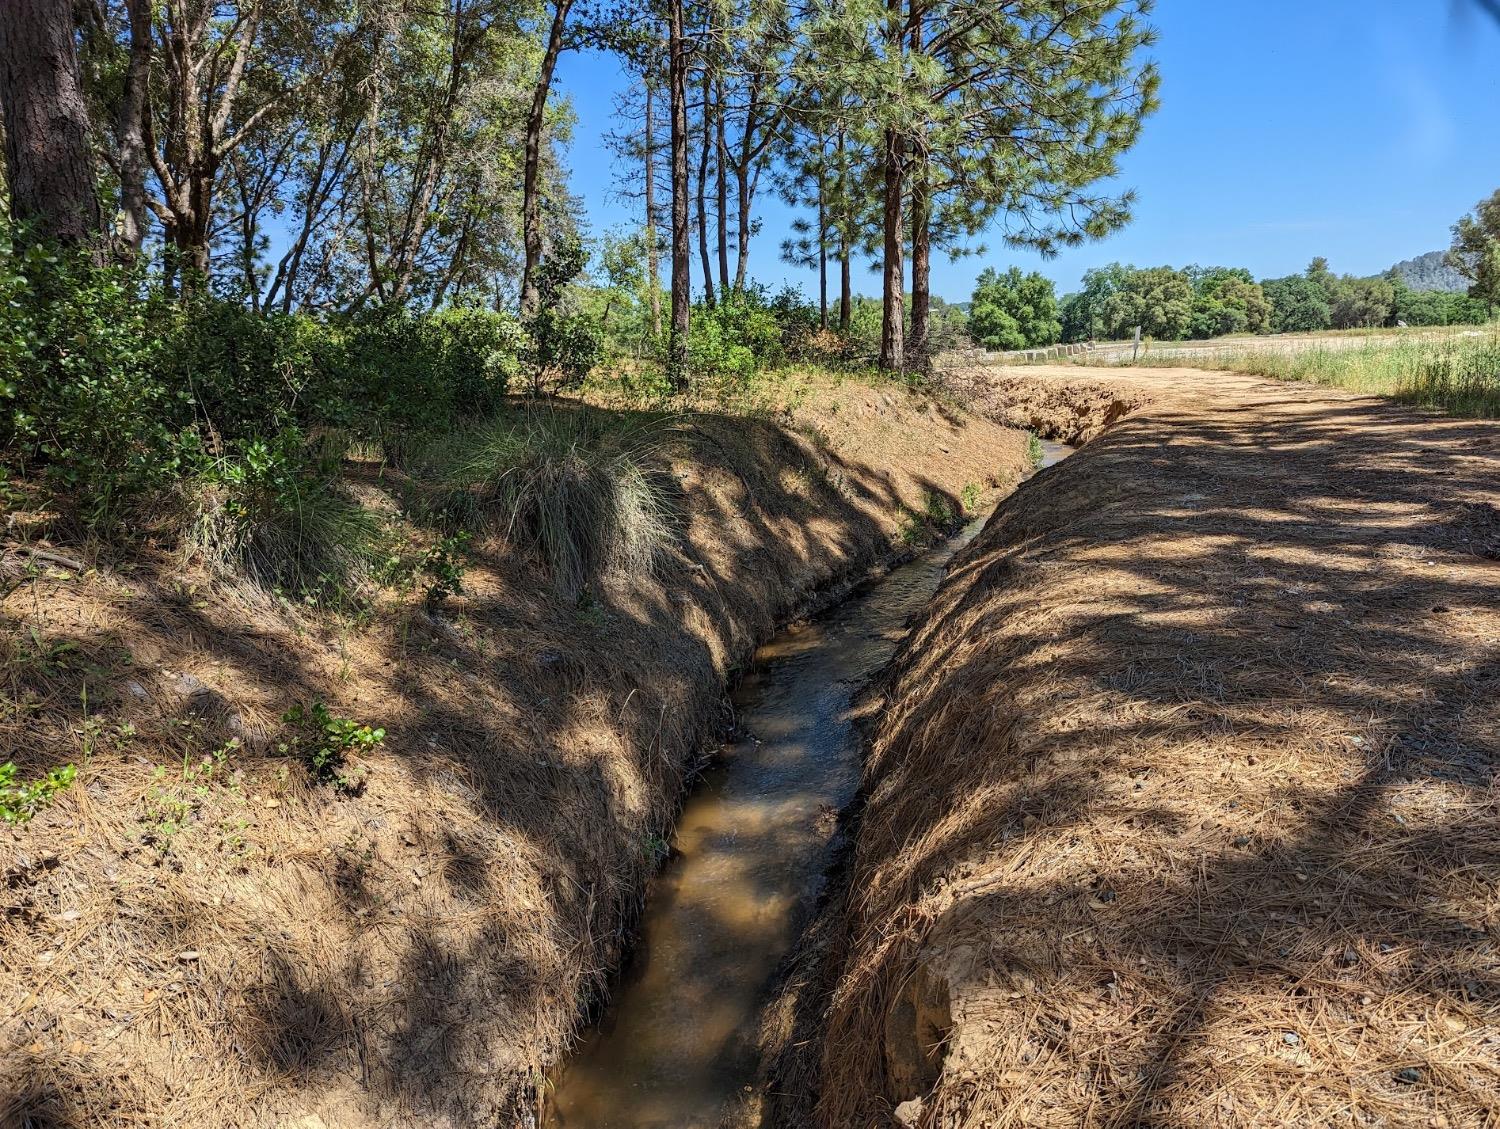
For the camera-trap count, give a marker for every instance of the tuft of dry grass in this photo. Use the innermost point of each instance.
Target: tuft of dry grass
(1181, 802)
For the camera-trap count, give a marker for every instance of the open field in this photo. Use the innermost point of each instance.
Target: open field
(1453, 370)
(1181, 800)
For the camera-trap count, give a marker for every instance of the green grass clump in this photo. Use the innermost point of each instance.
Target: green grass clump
(586, 492)
(272, 518)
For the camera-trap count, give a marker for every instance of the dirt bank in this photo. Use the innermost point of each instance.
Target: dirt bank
(196, 934)
(1181, 807)
(1072, 410)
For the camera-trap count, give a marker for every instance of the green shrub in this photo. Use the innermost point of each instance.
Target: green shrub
(80, 399)
(20, 800)
(585, 492)
(564, 343)
(325, 742)
(272, 515)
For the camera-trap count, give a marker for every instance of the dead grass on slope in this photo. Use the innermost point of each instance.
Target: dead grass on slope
(1182, 810)
(196, 934)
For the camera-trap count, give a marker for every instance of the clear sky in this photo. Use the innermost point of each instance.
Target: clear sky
(1354, 129)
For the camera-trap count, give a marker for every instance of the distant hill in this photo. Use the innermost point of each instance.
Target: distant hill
(1431, 272)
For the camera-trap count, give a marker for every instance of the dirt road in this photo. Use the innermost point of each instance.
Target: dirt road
(1182, 808)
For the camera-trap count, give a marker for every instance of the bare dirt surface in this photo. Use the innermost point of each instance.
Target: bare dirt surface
(1073, 410)
(1181, 805)
(191, 939)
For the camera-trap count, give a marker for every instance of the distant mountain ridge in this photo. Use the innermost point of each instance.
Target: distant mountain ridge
(1431, 272)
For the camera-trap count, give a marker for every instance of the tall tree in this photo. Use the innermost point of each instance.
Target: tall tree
(1476, 250)
(49, 166)
(531, 198)
(682, 293)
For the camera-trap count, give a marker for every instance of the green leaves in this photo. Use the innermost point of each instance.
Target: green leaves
(1014, 310)
(20, 800)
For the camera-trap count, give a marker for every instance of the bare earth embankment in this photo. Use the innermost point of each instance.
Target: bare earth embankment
(1182, 806)
(197, 934)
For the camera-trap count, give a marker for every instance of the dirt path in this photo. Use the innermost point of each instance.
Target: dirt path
(1182, 809)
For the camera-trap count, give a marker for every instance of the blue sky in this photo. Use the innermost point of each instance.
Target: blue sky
(1355, 129)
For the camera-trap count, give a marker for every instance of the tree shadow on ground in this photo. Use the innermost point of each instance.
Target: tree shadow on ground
(1187, 780)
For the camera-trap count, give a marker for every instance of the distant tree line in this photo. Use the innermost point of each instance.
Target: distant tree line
(1020, 311)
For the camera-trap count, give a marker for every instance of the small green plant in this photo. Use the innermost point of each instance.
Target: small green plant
(20, 800)
(969, 497)
(1035, 452)
(444, 563)
(325, 742)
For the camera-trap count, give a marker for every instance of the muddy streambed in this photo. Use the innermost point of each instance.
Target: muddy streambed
(676, 1046)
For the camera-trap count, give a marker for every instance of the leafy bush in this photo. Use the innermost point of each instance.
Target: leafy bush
(272, 514)
(325, 742)
(738, 336)
(20, 800)
(583, 491)
(80, 398)
(564, 343)
(113, 391)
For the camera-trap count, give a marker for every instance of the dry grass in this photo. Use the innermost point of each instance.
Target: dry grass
(1454, 371)
(1182, 806)
(195, 934)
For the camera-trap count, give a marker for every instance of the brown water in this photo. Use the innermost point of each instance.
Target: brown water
(676, 1045)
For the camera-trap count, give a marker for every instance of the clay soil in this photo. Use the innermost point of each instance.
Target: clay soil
(1181, 804)
(192, 940)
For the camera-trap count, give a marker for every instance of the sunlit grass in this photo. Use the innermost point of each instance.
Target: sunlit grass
(1454, 373)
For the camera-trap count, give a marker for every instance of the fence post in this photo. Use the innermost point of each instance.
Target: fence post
(1136, 351)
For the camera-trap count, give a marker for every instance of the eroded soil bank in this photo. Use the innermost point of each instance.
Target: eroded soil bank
(196, 941)
(1181, 806)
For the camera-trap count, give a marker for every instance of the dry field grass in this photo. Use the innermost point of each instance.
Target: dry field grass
(1182, 804)
(197, 940)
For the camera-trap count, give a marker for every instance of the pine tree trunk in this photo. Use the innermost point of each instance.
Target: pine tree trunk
(129, 132)
(921, 248)
(720, 153)
(822, 244)
(892, 299)
(846, 287)
(681, 253)
(531, 202)
(653, 259)
(846, 284)
(704, 142)
(49, 167)
(921, 264)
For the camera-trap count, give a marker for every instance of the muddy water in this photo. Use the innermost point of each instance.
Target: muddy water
(676, 1046)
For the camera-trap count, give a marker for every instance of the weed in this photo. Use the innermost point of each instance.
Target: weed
(20, 800)
(968, 497)
(172, 805)
(326, 742)
(1035, 452)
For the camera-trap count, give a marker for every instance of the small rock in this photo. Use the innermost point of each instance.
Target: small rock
(1242, 840)
(135, 690)
(1291, 1038)
(1411, 1075)
(1350, 957)
(189, 955)
(909, 1113)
